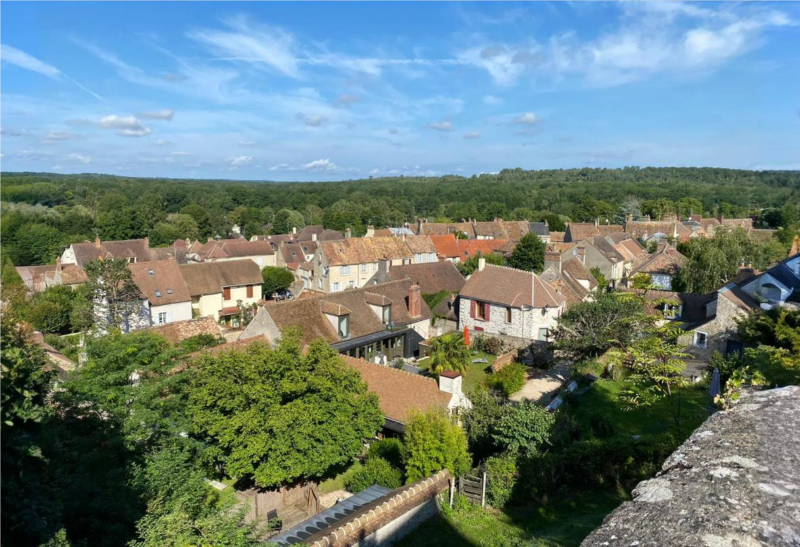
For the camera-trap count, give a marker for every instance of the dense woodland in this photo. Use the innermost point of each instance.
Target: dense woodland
(43, 212)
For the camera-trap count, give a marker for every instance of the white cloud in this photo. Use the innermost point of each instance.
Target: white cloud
(504, 63)
(162, 142)
(441, 126)
(166, 114)
(312, 120)
(528, 118)
(181, 154)
(59, 136)
(33, 154)
(21, 59)
(247, 143)
(279, 167)
(492, 100)
(472, 135)
(126, 126)
(325, 165)
(86, 160)
(240, 160)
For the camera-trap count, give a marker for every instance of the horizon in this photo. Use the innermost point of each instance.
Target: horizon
(260, 92)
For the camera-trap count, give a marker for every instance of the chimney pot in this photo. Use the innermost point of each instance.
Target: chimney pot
(414, 300)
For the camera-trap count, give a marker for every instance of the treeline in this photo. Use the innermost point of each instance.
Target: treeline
(44, 212)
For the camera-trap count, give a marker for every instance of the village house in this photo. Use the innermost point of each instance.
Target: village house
(662, 267)
(440, 283)
(503, 301)
(41, 278)
(540, 229)
(164, 289)
(401, 394)
(293, 253)
(568, 276)
(316, 232)
(131, 250)
(216, 288)
(468, 248)
(56, 361)
(598, 252)
(381, 322)
(579, 231)
(352, 263)
(708, 226)
(178, 331)
(260, 252)
(423, 248)
(446, 248)
(669, 228)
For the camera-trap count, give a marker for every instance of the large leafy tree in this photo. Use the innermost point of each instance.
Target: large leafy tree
(276, 279)
(587, 329)
(433, 443)
(112, 298)
(281, 415)
(448, 352)
(286, 219)
(528, 255)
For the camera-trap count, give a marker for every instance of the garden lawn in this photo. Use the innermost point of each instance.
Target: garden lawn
(559, 523)
(603, 400)
(336, 482)
(476, 373)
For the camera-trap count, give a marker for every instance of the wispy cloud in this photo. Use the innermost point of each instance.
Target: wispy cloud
(325, 165)
(166, 114)
(81, 158)
(16, 57)
(528, 118)
(247, 143)
(59, 136)
(314, 120)
(126, 126)
(239, 161)
(441, 126)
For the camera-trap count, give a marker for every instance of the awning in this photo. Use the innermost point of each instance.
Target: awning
(228, 311)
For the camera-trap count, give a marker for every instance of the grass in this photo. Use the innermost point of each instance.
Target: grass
(337, 481)
(476, 373)
(560, 523)
(602, 400)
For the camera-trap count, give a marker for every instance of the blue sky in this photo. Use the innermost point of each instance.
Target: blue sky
(325, 91)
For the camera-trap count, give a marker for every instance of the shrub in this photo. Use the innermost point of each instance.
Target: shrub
(433, 443)
(602, 427)
(479, 343)
(508, 380)
(200, 341)
(390, 450)
(375, 471)
(494, 346)
(502, 473)
(523, 428)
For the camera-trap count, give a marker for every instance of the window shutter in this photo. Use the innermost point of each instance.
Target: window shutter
(226, 293)
(472, 309)
(487, 312)
(249, 291)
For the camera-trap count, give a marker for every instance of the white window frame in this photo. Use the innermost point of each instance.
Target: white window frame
(162, 314)
(364, 267)
(546, 334)
(336, 286)
(705, 343)
(344, 270)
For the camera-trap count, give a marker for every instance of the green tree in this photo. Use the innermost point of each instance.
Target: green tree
(524, 428)
(281, 415)
(468, 267)
(276, 279)
(375, 471)
(448, 352)
(602, 282)
(34, 244)
(114, 300)
(200, 217)
(433, 443)
(528, 255)
(554, 222)
(481, 420)
(286, 220)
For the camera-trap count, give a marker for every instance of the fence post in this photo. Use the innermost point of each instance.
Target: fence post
(452, 490)
(483, 491)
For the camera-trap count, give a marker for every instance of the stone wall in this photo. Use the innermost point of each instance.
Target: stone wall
(734, 483)
(524, 324)
(718, 331)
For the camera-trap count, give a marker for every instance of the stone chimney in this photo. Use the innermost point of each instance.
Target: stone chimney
(451, 382)
(419, 226)
(552, 258)
(647, 218)
(147, 242)
(481, 263)
(597, 222)
(58, 264)
(348, 233)
(414, 300)
(670, 217)
(210, 239)
(188, 242)
(628, 217)
(370, 231)
(97, 242)
(313, 237)
(294, 230)
(545, 222)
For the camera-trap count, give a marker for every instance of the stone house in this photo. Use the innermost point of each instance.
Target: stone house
(578, 231)
(569, 277)
(380, 322)
(423, 248)
(597, 252)
(669, 227)
(131, 250)
(662, 267)
(216, 288)
(497, 300)
(166, 293)
(352, 263)
(260, 252)
(41, 278)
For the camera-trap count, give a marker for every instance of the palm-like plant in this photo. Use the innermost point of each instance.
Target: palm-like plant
(448, 352)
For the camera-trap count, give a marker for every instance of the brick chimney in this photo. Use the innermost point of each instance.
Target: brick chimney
(695, 217)
(97, 242)
(552, 258)
(58, 264)
(628, 217)
(414, 300)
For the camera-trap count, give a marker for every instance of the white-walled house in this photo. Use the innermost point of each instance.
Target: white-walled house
(497, 300)
(162, 284)
(216, 288)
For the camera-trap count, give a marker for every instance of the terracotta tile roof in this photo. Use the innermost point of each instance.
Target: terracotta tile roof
(740, 298)
(181, 330)
(161, 282)
(39, 278)
(579, 271)
(211, 277)
(490, 229)
(744, 223)
(296, 252)
(131, 248)
(470, 247)
(442, 228)
(567, 282)
(556, 237)
(400, 393)
(356, 250)
(578, 231)
(667, 261)
(510, 287)
(432, 277)
(235, 248)
(307, 233)
(420, 244)
(641, 229)
(445, 245)
(634, 248)
(308, 314)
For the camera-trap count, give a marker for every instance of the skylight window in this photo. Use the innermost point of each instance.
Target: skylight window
(152, 272)
(158, 294)
(169, 291)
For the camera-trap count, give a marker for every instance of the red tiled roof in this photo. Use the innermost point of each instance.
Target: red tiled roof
(445, 245)
(510, 287)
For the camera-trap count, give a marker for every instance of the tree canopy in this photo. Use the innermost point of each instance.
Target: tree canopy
(528, 254)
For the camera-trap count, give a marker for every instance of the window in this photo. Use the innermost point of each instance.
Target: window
(249, 291)
(543, 334)
(158, 294)
(336, 286)
(344, 270)
(387, 314)
(351, 284)
(169, 291)
(480, 310)
(226, 293)
(162, 317)
(151, 272)
(508, 315)
(319, 283)
(344, 326)
(700, 339)
(364, 267)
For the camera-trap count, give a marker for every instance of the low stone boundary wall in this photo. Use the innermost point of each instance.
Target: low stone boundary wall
(388, 518)
(504, 360)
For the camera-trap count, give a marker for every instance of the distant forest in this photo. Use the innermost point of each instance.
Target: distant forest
(42, 212)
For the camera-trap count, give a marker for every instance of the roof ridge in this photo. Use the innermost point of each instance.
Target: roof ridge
(398, 370)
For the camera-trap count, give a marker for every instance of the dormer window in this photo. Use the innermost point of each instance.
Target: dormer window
(344, 326)
(158, 294)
